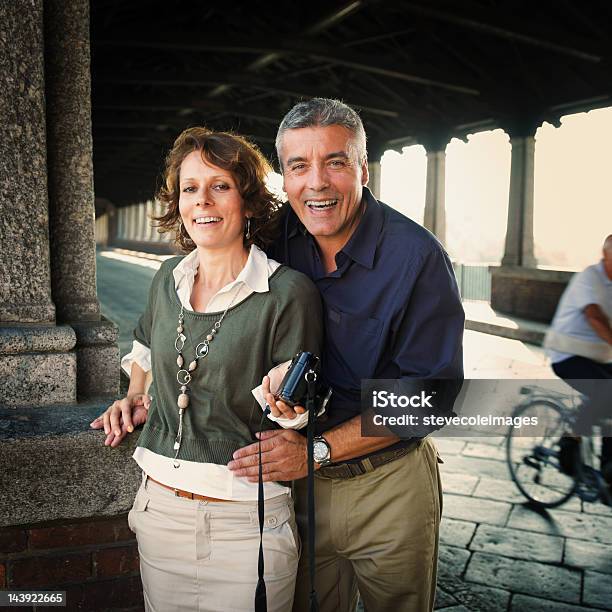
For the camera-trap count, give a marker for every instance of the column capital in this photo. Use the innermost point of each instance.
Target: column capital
(435, 141)
(523, 126)
(376, 150)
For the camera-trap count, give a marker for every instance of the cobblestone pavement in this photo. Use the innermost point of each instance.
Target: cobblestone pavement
(495, 553)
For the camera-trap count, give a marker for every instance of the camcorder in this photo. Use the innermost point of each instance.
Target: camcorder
(293, 389)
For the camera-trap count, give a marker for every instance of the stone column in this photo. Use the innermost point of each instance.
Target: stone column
(519, 249)
(36, 365)
(151, 234)
(71, 195)
(133, 222)
(25, 289)
(121, 223)
(142, 222)
(374, 180)
(434, 217)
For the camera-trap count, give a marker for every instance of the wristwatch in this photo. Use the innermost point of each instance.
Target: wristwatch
(321, 451)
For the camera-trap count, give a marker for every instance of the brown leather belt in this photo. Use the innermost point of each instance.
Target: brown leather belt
(188, 494)
(350, 470)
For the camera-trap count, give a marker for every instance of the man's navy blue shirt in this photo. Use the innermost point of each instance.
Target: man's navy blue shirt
(392, 308)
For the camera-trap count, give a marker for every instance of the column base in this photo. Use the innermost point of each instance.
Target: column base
(37, 365)
(97, 358)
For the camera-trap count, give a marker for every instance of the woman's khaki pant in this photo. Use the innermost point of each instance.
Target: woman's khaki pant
(378, 533)
(202, 556)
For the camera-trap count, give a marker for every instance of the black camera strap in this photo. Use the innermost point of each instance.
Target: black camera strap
(311, 379)
(261, 603)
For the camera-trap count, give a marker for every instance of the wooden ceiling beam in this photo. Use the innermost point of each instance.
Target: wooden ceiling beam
(291, 87)
(129, 101)
(314, 50)
(318, 26)
(495, 24)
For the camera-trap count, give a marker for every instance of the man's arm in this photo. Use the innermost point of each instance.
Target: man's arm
(284, 452)
(346, 442)
(598, 320)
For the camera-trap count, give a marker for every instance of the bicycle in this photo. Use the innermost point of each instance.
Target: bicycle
(534, 464)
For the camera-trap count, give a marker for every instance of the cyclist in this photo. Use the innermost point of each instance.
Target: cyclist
(579, 344)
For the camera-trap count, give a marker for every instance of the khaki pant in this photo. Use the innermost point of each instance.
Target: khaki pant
(202, 556)
(377, 533)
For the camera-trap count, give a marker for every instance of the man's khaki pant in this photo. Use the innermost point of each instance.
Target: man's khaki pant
(377, 533)
(198, 556)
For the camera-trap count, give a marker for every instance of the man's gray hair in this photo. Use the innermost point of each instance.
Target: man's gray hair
(323, 112)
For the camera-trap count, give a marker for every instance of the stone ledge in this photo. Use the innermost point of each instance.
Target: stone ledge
(25, 338)
(42, 379)
(521, 333)
(56, 468)
(559, 276)
(91, 333)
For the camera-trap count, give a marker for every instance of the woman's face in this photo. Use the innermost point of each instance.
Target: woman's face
(210, 204)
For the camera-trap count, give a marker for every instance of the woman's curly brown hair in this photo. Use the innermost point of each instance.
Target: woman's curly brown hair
(248, 167)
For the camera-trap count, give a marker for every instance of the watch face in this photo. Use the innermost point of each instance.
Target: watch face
(320, 451)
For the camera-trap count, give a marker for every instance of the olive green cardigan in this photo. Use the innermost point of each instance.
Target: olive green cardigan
(263, 330)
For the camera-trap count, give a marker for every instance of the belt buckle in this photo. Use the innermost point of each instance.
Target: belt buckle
(356, 469)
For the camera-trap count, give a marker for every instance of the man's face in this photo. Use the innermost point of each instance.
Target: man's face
(323, 179)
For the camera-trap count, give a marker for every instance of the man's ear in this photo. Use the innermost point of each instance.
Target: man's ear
(365, 174)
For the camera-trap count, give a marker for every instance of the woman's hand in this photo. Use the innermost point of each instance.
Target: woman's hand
(277, 407)
(122, 416)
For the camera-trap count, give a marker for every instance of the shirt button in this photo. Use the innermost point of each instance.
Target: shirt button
(271, 521)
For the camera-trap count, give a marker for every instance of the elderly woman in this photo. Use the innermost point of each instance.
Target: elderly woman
(216, 321)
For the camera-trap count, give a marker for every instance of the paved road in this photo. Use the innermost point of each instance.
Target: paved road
(495, 553)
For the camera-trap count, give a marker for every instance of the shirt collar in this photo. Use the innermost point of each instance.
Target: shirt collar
(254, 274)
(361, 246)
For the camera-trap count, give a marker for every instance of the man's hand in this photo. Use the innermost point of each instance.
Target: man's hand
(278, 408)
(283, 457)
(122, 416)
(598, 320)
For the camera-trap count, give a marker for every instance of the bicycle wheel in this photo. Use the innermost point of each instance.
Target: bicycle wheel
(534, 460)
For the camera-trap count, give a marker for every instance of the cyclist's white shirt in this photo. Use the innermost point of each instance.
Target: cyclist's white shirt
(591, 286)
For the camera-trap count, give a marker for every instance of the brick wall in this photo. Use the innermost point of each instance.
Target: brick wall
(94, 561)
(530, 293)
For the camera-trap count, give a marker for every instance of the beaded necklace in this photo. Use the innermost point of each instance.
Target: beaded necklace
(183, 376)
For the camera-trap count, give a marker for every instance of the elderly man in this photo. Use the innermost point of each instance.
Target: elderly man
(579, 344)
(392, 311)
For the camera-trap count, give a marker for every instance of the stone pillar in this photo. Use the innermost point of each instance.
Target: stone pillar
(519, 250)
(133, 221)
(374, 180)
(121, 224)
(142, 222)
(71, 195)
(70, 168)
(151, 234)
(25, 289)
(36, 365)
(434, 217)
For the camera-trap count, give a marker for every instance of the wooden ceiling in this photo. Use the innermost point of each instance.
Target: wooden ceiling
(416, 71)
